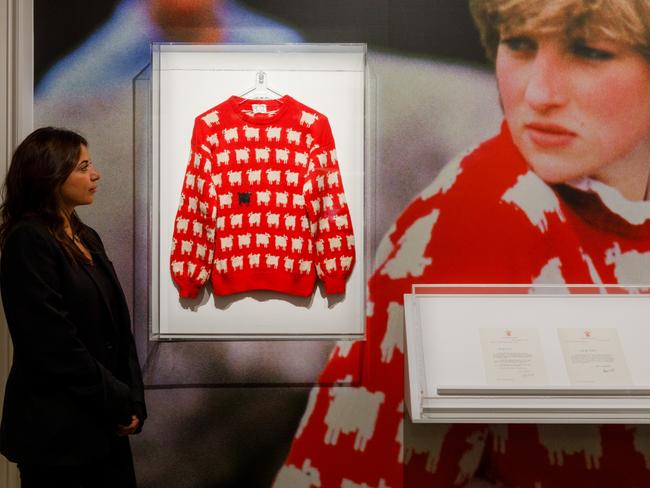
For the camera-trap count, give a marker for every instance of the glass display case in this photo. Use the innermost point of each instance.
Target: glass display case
(185, 81)
(528, 353)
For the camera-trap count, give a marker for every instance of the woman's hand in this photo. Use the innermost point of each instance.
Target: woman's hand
(124, 430)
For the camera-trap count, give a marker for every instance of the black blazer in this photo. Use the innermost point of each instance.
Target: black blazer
(75, 374)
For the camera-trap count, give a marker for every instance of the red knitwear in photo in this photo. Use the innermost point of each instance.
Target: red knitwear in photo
(487, 218)
(262, 205)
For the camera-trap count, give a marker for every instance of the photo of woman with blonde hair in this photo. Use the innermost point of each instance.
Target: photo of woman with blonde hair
(558, 196)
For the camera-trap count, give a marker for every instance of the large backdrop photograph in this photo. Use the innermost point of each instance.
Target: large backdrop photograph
(476, 109)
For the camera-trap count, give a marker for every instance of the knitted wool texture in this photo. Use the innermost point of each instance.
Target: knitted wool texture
(262, 204)
(487, 218)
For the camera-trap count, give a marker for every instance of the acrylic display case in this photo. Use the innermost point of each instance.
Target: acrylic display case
(188, 79)
(524, 354)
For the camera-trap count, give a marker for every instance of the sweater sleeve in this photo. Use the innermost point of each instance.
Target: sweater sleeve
(328, 212)
(194, 227)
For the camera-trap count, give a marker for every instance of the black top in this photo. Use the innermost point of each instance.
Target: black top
(106, 289)
(75, 373)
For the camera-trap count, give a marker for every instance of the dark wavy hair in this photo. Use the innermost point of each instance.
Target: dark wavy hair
(39, 166)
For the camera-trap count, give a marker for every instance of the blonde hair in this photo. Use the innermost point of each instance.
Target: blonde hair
(626, 21)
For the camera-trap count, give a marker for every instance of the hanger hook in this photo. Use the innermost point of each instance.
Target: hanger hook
(261, 78)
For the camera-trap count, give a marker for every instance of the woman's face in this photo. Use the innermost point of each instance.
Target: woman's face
(576, 108)
(80, 187)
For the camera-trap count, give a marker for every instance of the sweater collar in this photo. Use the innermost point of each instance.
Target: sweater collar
(634, 212)
(595, 202)
(260, 112)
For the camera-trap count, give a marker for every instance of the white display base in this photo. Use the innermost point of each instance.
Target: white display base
(186, 81)
(446, 372)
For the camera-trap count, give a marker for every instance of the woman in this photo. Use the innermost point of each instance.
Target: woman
(559, 196)
(75, 390)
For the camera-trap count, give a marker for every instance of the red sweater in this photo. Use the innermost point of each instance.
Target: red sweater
(486, 219)
(262, 205)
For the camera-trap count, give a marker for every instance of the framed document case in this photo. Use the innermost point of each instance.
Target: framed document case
(527, 354)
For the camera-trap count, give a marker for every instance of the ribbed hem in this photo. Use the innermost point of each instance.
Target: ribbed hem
(188, 290)
(334, 286)
(280, 281)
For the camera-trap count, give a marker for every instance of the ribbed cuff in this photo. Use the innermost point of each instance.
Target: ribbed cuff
(188, 290)
(334, 285)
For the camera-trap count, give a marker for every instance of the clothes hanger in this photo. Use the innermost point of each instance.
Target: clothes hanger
(261, 91)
